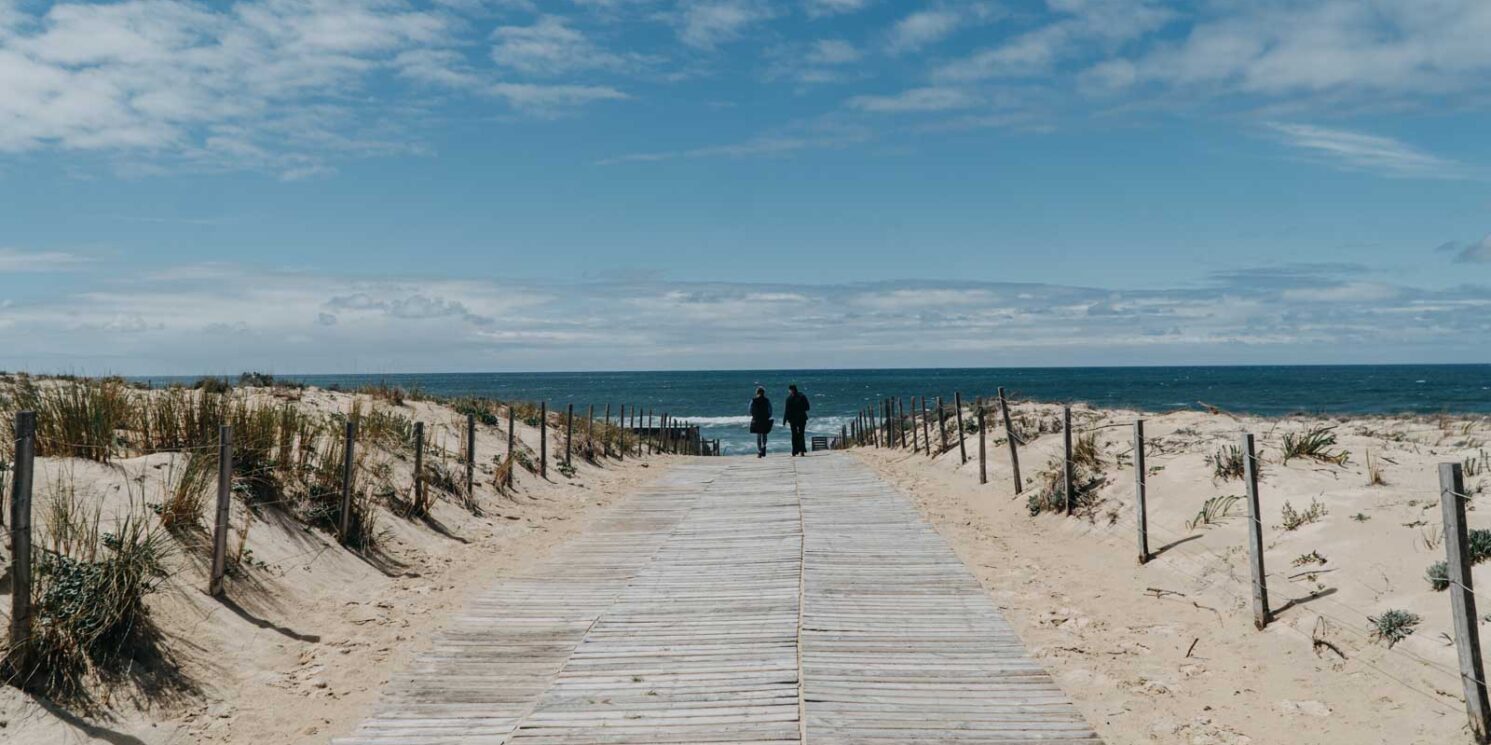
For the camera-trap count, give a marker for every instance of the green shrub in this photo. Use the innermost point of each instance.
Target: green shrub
(1316, 444)
(1393, 626)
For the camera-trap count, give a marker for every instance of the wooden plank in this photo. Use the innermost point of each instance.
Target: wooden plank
(744, 601)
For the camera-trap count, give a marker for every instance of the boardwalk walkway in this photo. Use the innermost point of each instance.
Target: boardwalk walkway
(735, 601)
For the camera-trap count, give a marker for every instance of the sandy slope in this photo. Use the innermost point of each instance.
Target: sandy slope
(308, 638)
(1166, 652)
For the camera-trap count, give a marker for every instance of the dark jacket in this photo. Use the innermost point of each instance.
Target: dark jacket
(760, 415)
(797, 409)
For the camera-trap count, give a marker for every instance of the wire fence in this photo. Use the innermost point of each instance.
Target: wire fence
(897, 430)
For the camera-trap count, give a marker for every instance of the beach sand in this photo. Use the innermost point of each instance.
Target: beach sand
(307, 639)
(1167, 652)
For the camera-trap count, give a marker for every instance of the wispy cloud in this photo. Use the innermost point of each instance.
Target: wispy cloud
(705, 24)
(817, 8)
(922, 28)
(202, 84)
(14, 260)
(550, 46)
(809, 137)
(542, 98)
(1364, 152)
(1469, 252)
(296, 321)
(915, 100)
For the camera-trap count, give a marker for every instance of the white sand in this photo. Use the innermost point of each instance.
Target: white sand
(1119, 637)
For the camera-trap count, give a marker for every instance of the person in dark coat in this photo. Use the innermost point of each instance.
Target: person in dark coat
(761, 418)
(795, 415)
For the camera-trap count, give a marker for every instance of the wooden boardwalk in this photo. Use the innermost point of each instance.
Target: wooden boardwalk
(735, 601)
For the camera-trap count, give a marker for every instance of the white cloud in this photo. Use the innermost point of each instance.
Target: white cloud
(205, 84)
(706, 24)
(833, 52)
(922, 28)
(807, 137)
(196, 322)
(550, 98)
(1361, 48)
(15, 260)
(551, 47)
(1081, 27)
(821, 61)
(816, 8)
(916, 100)
(1358, 151)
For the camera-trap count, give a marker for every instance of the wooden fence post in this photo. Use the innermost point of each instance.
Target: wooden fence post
(915, 443)
(983, 468)
(1255, 534)
(843, 435)
(926, 429)
(344, 523)
(569, 434)
(543, 439)
(224, 506)
(1066, 461)
(590, 433)
(419, 469)
(901, 422)
(471, 456)
(621, 432)
(636, 434)
(1009, 432)
(511, 442)
(1452, 498)
(20, 541)
(651, 434)
(941, 426)
(607, 433)
(1141, 491)
(962, 448)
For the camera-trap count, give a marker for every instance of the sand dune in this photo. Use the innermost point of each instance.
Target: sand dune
(1167, 652)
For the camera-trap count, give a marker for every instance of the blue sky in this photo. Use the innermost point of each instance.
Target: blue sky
(382, 185)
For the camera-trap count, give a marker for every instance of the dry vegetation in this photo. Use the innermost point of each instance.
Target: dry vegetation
(1361, 490)
(127, 478)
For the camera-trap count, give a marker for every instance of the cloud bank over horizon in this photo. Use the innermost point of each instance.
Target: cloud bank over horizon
(223, 319)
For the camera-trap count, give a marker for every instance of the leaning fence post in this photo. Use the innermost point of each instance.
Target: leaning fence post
(983, 468)
(1141, 491)
(511, 437)
(224, 504)
(590, 432)
(20, 540)
(1009, 431)
(419, 468)
(1066, 461)
(962, 448)
(1462, 600)
(1255, 534)
(344, 524)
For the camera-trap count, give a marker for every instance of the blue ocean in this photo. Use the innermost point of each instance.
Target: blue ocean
(717, 400)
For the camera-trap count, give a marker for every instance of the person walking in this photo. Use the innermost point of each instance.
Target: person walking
(761, 419)
(795, 415)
